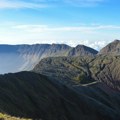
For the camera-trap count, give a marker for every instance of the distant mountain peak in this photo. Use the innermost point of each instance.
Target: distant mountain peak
(116, 40)
(112, 48)
(80, 46)
(82, 50)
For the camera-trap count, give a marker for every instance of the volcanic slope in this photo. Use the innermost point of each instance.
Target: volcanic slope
(31, 95)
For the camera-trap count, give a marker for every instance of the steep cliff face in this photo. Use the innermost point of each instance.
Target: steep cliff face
(25, 57)
(112, 48)
(34, 53)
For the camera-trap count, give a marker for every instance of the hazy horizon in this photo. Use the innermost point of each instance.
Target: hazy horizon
(57, 44)
(93, 23)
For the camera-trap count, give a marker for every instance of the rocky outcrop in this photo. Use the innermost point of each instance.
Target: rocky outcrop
(106, 68)
(112, 48)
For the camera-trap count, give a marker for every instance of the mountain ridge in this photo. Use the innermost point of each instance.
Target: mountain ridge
(47, 99)
(24, 57)
(82, 70)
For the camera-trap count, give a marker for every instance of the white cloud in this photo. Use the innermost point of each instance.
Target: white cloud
(33, 4)
(83, 29)
(93, 44)
(98, 44)
(16, 4)
(95, 36)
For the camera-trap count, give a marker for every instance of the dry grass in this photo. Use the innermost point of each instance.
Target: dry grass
(8, 117)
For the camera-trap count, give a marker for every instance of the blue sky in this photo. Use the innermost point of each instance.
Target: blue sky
(91, 22)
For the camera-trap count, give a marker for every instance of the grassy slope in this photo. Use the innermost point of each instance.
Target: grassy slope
(83, 70)
(75, 69)
(31, 95)
(8, 117)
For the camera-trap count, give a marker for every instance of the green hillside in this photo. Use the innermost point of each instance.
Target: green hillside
(75, 69)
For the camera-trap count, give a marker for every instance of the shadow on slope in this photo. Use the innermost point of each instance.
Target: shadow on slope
(28, 94)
